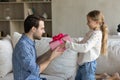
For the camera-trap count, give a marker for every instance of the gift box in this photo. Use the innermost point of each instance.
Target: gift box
(58, 39)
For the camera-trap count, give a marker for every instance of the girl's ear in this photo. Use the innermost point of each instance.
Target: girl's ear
(97, 22)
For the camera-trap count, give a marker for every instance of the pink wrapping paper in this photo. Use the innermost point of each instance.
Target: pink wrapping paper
(57, 40)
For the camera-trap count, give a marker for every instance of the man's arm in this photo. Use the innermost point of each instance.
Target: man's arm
(44, 60)
(44, 57)
(27, 61)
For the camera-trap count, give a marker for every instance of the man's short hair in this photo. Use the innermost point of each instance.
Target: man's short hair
(32, 20)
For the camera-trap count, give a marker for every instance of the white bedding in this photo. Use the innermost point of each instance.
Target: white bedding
(111, 62)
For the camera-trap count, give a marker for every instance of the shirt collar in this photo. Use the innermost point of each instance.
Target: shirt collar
(28, 39)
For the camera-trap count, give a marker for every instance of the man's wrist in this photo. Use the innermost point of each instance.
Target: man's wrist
(51, 58)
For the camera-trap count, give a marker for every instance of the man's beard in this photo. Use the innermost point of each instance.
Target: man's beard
(37, 37)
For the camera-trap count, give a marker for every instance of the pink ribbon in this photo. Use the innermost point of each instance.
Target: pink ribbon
(58, 37)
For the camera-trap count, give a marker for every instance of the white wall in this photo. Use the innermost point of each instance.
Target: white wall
(69, 16)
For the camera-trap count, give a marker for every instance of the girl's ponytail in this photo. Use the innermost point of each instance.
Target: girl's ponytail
(104, 29)
(96, 15)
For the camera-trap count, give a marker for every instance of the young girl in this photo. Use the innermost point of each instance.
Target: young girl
(90, 47)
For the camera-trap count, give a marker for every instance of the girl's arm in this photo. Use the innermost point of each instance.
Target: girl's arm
(77, 40)
(85, 47)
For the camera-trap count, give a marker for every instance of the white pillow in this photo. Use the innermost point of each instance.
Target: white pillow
(63, 66)
(111, 62)
(16, 36)
(5, 56)
(42, 45)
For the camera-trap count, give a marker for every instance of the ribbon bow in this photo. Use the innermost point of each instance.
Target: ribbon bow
(58, 37)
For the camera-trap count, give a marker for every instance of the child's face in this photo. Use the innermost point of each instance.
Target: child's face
(91, 23)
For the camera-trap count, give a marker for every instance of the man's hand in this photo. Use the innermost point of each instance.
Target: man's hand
(46, 58)
(57, 51)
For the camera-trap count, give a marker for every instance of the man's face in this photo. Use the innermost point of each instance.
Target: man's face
(39, 32)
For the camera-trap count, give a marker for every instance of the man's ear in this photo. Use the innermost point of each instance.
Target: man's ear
(33, 29)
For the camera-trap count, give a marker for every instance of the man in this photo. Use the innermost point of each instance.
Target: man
(26, 66)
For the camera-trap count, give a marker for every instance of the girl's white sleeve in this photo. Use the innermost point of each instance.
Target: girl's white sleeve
(85, 47)
(76, 40)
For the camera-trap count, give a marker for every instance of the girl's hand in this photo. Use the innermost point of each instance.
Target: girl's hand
(64, 41)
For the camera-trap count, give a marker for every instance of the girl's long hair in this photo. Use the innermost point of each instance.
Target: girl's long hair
(96, 15)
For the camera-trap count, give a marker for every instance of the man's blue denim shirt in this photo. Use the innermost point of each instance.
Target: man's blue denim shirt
(24, 60)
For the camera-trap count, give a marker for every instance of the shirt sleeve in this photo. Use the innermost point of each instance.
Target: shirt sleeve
(28, 61)
(85, 47)
(76, 40)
